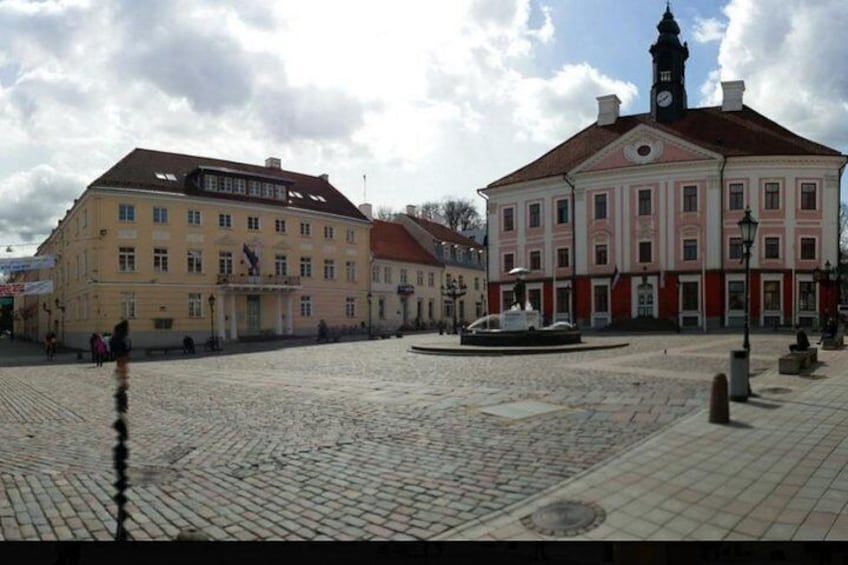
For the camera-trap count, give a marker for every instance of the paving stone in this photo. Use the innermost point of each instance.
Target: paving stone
(416, 447)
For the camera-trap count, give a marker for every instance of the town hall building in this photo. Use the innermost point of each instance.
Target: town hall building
(636, 217)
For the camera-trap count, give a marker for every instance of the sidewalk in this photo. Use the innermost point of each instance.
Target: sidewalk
(776, 472)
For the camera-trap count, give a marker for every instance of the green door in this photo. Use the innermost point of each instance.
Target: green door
(254, 320)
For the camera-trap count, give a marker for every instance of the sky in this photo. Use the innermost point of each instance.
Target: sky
(398, 102)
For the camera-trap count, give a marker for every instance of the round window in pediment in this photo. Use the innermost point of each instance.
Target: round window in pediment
(643, 150)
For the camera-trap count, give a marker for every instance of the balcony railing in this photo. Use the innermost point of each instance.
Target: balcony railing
(264, 280)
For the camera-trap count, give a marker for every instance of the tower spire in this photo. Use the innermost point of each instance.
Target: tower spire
(668, 92)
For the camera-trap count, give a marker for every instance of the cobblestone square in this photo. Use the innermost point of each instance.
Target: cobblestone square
(357, 440)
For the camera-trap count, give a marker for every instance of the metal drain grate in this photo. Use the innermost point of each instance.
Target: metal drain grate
(566, 518)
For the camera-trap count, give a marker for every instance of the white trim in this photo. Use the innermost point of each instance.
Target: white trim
(562, 316)
(635, 281)
(535, 286)
(732, 277)
(603, 318)
(770, 277)
(689, 313)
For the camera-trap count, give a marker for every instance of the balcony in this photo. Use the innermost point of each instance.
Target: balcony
(256, 283)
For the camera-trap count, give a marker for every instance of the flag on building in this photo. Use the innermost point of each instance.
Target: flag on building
(615, 276)
(252, 258)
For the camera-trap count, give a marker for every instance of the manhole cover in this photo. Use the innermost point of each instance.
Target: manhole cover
(567, 518)
(776, 390)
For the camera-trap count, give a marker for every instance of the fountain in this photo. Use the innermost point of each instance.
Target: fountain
(520, 326)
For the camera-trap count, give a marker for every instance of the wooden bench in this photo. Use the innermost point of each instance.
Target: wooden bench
(835, 342)
(796, 362)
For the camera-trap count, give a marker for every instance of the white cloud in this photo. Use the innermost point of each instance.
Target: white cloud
(794, 62)
(708, 29)
(430, 100)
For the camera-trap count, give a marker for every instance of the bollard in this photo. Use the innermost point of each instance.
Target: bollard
(719, 404)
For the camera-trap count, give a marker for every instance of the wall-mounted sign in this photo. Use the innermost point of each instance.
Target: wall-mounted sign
(17, 264)
(406, 289)
(26, 288)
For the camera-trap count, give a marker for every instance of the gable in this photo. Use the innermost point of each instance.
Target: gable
(644, 146)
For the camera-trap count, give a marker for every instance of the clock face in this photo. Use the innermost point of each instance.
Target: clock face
(664, 98)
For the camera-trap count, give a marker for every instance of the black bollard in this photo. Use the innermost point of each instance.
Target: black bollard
(719, 404)
(118, 345)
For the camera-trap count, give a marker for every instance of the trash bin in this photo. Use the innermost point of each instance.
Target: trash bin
(739, 375)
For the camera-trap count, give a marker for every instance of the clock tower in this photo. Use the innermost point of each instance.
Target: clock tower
(668, 93)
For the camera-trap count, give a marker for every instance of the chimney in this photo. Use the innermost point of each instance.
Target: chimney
(367, 210)
(273, 163)
(324, 177)
(411, 210)
(732, 95)
(608, 109)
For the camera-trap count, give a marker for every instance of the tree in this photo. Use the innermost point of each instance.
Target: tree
(429, 210)
(843, 232)
(460, 214)
(385, 213)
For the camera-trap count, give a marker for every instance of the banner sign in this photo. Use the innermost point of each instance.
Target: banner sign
(26, 288)
(17, 264)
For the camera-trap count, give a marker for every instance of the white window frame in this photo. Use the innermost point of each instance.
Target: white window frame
(194, 261)
(128, 305)
(160, 260)
(195, 305)
(305, 306)
(126, 260)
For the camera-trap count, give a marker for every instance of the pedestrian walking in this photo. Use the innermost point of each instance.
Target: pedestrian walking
(50, 345)
(91, 341)
(100, 349)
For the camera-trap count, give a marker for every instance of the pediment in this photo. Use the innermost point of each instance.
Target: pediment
(645, 145)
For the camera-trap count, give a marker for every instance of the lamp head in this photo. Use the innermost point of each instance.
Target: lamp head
(748, 228)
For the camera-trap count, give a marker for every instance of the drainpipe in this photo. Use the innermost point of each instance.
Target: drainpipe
(721, 242)
(839, 298)
(486, 247)
(574, 252)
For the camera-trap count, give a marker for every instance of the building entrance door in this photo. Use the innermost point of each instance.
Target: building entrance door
(645, 295)
(254, 320)
(404, 306)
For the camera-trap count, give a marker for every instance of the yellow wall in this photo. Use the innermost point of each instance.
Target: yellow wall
(92, 230)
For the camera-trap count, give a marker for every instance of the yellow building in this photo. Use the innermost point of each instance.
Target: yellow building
(405, 280)
(464, 263)
(184, 245)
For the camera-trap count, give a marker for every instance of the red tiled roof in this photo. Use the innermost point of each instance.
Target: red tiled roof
(444, 233)
(732, 134)
(391, 241)
(138, 170)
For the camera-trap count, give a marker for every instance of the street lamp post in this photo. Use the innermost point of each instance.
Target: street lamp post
(826, 278)
(748, 229)
(454, 289)
(213, 341)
